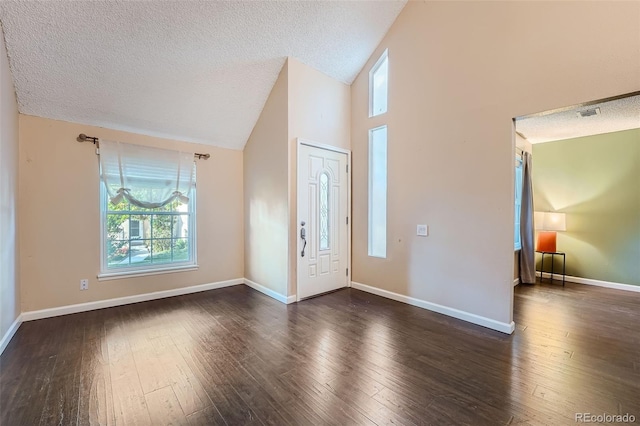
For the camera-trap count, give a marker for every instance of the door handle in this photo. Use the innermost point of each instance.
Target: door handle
(303, 235)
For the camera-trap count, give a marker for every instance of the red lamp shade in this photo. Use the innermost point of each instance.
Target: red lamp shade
(548, 223)
(547, 241)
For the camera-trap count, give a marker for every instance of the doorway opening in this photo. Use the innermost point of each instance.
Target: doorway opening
(586, 180)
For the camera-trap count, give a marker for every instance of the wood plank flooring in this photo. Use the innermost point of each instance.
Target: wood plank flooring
(234, 356)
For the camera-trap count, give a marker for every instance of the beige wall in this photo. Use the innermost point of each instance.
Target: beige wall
(458, 73)
(595, 181)
(266, 194)
(9, 265)
(304, 103)
(319, 107)
(319, 111)
(60, 217)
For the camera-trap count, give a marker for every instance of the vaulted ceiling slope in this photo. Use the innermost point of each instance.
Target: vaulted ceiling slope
(198, 71)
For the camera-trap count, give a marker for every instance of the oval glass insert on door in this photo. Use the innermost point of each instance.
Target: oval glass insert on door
(324, 211)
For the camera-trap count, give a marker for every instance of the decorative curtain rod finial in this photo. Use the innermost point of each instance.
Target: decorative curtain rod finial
(84, 138)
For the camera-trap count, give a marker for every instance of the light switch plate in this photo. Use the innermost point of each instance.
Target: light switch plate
(423, 230)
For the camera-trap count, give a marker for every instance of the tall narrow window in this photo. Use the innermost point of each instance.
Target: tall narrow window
(378, 192)
(134, 229)
(518, 200)
(324, 211)
(378, 86)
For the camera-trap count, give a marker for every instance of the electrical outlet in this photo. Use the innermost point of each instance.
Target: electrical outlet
(423, 230)
(84, 284)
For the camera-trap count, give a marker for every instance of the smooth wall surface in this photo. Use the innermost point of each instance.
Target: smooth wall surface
(9, 265)
(304, 103)
(320, 112)
(60, 216)
(458, 74)
(266, 194)
(595, 180)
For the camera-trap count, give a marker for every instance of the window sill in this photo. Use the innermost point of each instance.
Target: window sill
(145, 272)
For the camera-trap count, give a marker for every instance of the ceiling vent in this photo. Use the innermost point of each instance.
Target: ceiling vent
(588, 112)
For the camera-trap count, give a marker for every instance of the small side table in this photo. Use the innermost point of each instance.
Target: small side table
(553, 253)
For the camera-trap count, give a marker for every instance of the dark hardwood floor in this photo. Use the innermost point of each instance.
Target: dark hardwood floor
(234, 356)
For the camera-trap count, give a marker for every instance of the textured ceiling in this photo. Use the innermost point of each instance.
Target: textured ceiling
(614, 116)
(198, 71)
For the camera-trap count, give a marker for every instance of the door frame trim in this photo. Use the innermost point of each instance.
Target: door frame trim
(307, 142)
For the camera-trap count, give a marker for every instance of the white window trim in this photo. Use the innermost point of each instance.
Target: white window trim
(375, 67)
(370, 185)
(143, 273)
(164, 268)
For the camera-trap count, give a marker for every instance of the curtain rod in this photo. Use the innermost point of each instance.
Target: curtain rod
(96, 141)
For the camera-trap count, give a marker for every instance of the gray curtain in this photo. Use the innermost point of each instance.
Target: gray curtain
(527, 253)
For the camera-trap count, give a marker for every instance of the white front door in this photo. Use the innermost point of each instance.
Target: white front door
(323, 232)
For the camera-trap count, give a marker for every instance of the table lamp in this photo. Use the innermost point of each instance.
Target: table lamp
(548, 224)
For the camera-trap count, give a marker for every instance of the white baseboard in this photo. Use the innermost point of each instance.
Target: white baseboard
(262, 289)
(10, 333)
(108, 303)
(503, 327)
(589, 281)
(516, 282)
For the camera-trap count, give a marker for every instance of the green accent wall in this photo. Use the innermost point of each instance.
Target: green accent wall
(595, 180)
